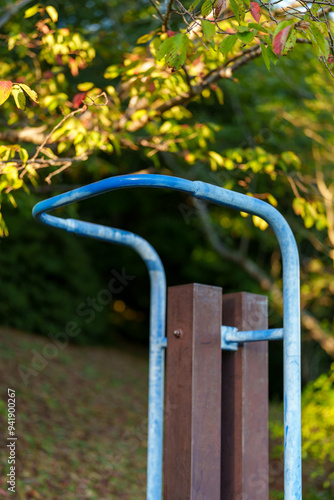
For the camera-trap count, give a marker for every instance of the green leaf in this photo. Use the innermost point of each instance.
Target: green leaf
(242, 29)
(265, 56)
(52, 13)
(31, 11)
(19, 97)
(246, 37)
(227, 44)
(5, 89)
(112, 71)
(146, 38)
(194, 5)
(315, 9)
(235, 8)
(176, 58)
(24, 155)
(242, 9)
(290, 43)
(319, 39)
(207, 7)
(174, 49)
(258, 27)
(31, 93)
(209, 30)
(165, 47)
(272, 55)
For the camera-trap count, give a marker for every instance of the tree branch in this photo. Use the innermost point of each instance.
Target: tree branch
(33, 135)
(158, 11)
(168, 14)
(224, 71)
(12, 11)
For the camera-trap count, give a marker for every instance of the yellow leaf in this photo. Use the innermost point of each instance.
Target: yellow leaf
(31, 93)
(272, 200)
(260, 223)
(31, 11)
(52, 13)
(24, 155)
(217, 158)
(19, 97)
(83, 87)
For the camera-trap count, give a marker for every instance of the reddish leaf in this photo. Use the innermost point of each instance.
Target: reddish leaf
(77, 99)
(151, 87)
(59, 59)
(280, 39)
(73, 66)
(47, 74)
(5, 89)
(330, 59)
(170, 33)
(255, 11)
(82, 64)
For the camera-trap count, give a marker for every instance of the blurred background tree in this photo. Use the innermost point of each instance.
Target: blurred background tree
(127, 87)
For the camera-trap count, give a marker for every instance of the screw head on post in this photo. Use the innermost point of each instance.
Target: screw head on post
(178, 333)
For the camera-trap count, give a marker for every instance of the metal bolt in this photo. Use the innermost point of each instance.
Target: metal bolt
(178, 333)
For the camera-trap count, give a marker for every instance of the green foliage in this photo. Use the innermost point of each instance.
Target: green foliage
(207, 7)
(317, 435)
(318, 422)
(174, 50)
(45, 275)
(209, 30)
(227, 44)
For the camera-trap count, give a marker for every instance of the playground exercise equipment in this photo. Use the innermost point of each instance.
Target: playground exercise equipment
(230, 337)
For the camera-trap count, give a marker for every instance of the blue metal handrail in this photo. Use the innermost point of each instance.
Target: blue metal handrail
(291, 307)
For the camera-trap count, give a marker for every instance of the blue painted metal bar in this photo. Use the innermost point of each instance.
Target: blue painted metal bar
(254, 335)
(228, 346)
(291, 295)
(158, 340)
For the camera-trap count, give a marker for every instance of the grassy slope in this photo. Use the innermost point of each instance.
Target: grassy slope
(81, 422)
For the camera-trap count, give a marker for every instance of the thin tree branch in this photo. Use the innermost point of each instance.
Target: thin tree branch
(13, 10)
(48, 137)
(168, 14)
(328, 68)
(158, 11)
(66, 117)
(222, 72)
(33, 135)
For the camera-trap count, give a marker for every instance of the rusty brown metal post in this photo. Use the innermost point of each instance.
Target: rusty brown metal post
(192, 437)
(245, 403)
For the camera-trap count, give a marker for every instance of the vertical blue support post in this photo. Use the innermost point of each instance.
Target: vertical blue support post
(157, 334)
(291, 325)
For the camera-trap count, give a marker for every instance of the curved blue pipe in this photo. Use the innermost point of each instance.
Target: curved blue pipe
(291, 300)
(157, 332)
